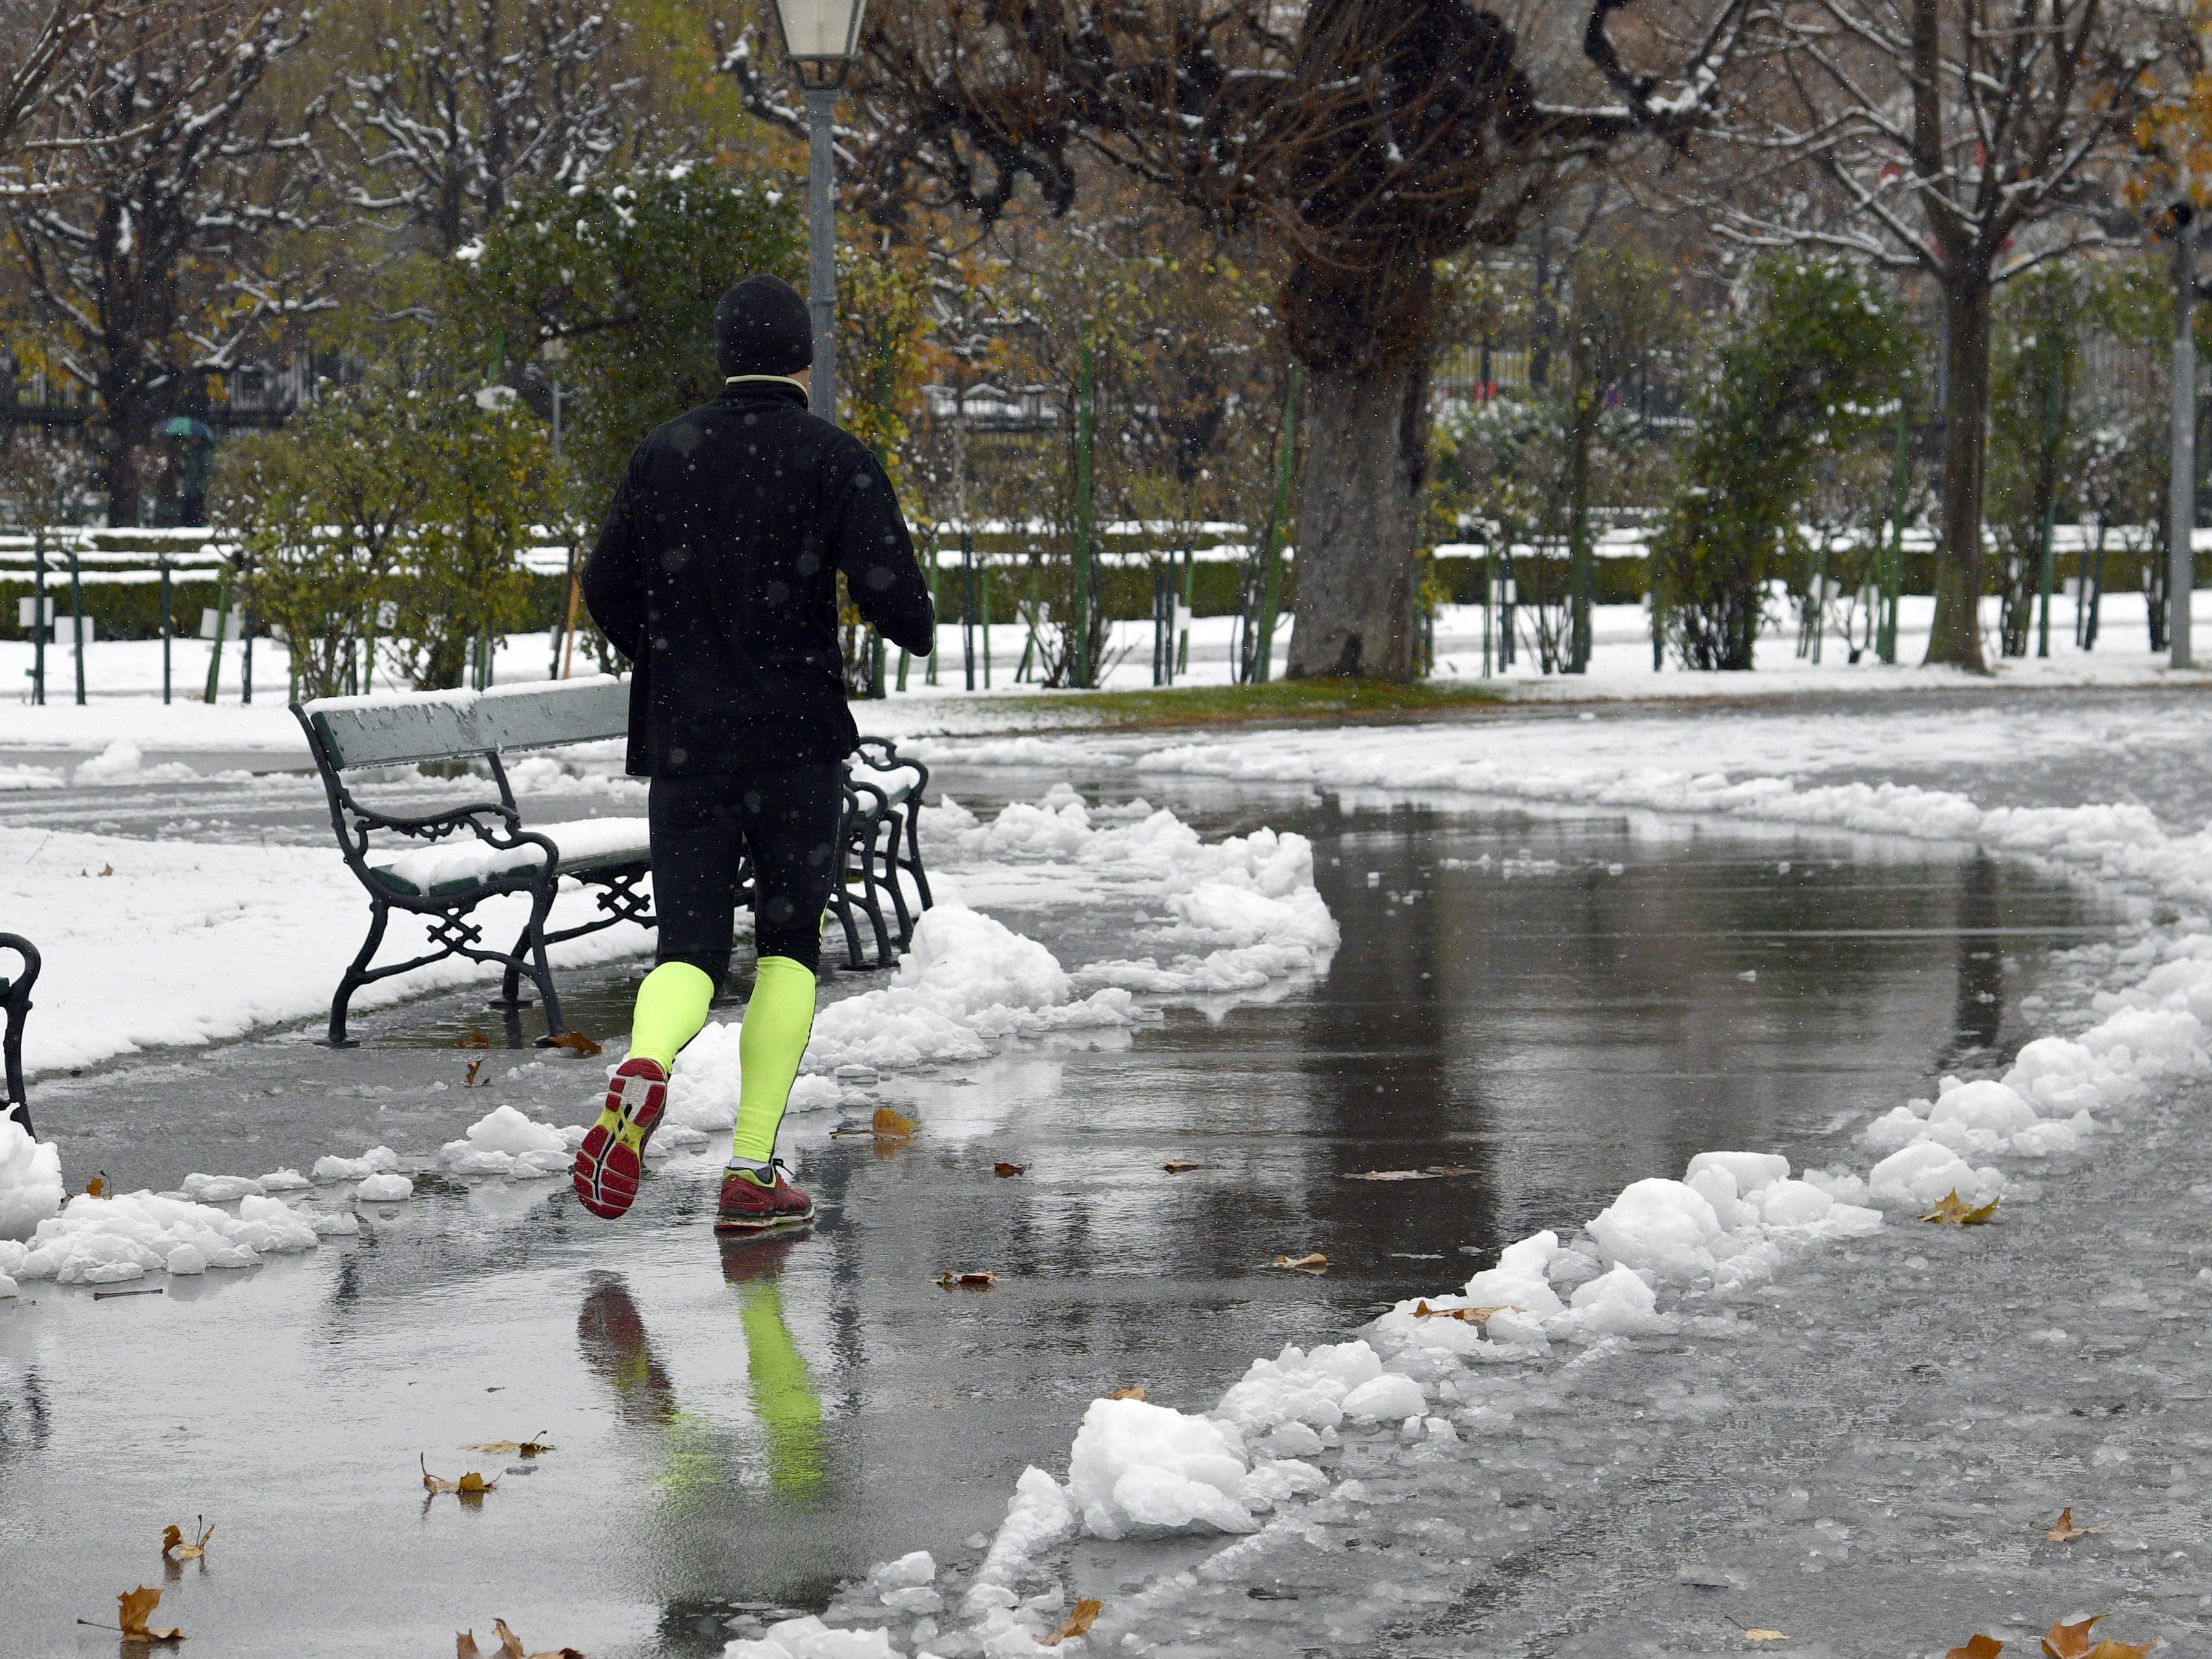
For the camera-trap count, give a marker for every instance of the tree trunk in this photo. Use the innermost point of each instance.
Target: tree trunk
(1956, 634)
(1359, 521)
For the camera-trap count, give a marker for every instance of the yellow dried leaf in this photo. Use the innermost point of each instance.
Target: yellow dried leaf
(1978, 1647)
(1137, 1392)
(1078, 1622)
(474, 1039)
(1764, 1635)
(577, 1043)
(2108, 1649)
(1464, 1316)
(1312, 1262)
(470, 1485)
(173, 1541)
(510, 1646)
(1952, 1211)
(472, 1080)
(1177, 1165)
(97, 1187)
(2066, 1532)
(967, 1281)
(890, 1126)
(1392, 1175)
(1005, 1171)
(2070, 1641)
(465, 1645)
(519, 1448)
(133, 1607)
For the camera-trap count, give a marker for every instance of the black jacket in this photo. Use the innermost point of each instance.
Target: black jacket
(716, 575)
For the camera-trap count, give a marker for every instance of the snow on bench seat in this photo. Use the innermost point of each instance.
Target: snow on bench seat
(896, 786)
(585, 843)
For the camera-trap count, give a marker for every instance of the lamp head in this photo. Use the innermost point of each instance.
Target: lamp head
(820, 37)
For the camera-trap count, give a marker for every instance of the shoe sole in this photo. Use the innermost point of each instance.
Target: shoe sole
(726, 1227)
(611, 1160)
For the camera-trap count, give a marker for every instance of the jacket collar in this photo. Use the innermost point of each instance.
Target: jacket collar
(774, 388)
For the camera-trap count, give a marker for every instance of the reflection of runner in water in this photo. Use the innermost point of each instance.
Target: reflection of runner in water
(716, 575)
(615, 1346)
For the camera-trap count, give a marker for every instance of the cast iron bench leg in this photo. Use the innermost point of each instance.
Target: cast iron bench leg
(357, 977)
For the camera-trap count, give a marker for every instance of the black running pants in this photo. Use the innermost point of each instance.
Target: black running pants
(703, 829)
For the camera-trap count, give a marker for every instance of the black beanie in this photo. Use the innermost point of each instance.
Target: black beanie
(761, 327)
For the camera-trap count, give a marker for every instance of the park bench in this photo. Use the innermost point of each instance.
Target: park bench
(16, 1003)
(442, 865)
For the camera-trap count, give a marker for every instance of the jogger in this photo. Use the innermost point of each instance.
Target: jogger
(717, 575)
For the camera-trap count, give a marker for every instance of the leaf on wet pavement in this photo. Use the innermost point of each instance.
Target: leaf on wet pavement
(888, 1125)
(172, 1540)
(1312, 1262)
(1078, 1622)
(97, 1187)
(1007, 1171)
(464, 1645)
(531, 1447)
(472, 1080)
(966, 1281)
(1978, 1647)
(1134, 1392)
(1765, 1636)
(1392, 1174)
(474, 1039)
(470, 1485)
(577, 1043)
(1952, 1211)
(1178, 1165)
(2108, 1649)
(2065, 1532)
(510, 1646)
(133, 1608)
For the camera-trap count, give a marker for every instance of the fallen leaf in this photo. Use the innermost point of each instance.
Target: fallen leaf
(1078, 1622)
(514, 1447)
(97, 1187)
(1464, 1316)
(2108, 1649)
(2069, 1641)
(106, 869)
(967, 1281)
(577, 1042)
(1978, 1647)
(2066, 1532)
(465, 1645)
(474, 1039)
(1135, 1393)
(1776, 1635)
(1952, 1211)
(510, 1646)
(890, 1126)
(1314, 1263)
(470, 1485)
(1177, 1165)
(173, 1541)
(132, 1609)
(1392, 1174)
(1004, 1170)
(472, 1081)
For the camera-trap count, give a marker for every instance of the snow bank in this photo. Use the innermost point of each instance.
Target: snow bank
(30, 1180)
(503, 1142)
(121, 762)
(809, 1638)
(104, 1241)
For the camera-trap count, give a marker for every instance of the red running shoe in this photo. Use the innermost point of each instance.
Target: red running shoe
(612, 1155)
(749, 1205)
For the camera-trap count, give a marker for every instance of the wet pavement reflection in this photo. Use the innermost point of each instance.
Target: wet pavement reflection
(1528, 1011)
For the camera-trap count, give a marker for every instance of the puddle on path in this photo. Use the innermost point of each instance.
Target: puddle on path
(1553, 1006)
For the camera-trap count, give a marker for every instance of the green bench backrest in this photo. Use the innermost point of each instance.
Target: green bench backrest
(421, 725)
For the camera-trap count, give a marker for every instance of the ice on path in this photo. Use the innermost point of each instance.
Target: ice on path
(1145, 1469)
(30, 1180)
(103, 1240)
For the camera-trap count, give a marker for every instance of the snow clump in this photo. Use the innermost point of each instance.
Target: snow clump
(104, 1241)
(809, 1638)
(1148, 1470)
(503, 1142)
(30, 1180)
(385, 1187)
(375, 1159)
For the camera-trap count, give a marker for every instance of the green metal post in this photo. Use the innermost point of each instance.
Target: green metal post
(1085, 379)
(983, 603)
(221, 621)
(1278, 514)
(77, 620)
(169, 626)
(38, 605)
(1189, 590)
(2052, 364)
(1892, 572)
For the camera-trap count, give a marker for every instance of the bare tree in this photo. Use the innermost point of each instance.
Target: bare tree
(1366, 138)
(1967, 140)
(162, 172)
(463, 101)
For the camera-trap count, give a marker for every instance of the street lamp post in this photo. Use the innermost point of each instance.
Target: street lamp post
(819, 37)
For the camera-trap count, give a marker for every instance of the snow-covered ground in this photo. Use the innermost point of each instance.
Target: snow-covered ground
(1291, 1455)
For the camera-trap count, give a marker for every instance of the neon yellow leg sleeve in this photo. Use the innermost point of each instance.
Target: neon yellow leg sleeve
(671, 1010)
(782, 1390)
(778, 1021)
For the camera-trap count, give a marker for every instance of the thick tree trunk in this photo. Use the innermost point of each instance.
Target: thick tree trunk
(1956, 634)
(1359, 504)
